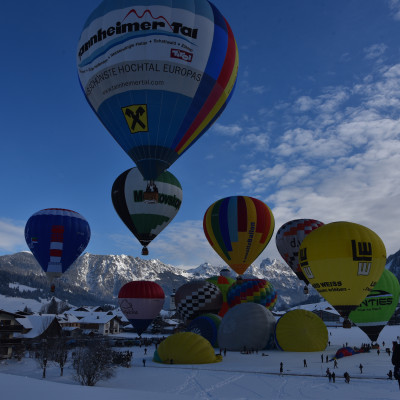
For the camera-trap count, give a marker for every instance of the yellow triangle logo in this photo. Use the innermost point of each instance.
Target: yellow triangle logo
(136, 117)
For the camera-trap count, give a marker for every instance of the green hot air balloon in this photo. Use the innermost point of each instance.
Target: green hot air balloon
(377, 308)
(146, 208)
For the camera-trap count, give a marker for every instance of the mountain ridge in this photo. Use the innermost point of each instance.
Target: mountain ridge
(97, 279)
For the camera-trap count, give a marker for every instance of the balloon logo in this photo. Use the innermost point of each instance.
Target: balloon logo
(238, 228)
(56, 237)
(288, 240)
(343, 261)
(146, 209)
(141, 302)
(378, 307)
(157, 74)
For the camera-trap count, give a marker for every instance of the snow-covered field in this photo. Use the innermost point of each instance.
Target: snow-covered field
(238, 376)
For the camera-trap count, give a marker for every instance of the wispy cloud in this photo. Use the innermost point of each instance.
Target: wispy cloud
(395, 8)
(340, 159)
(12, 237)
(375, 51)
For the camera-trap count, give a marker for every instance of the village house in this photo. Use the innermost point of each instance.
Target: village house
(9, 327)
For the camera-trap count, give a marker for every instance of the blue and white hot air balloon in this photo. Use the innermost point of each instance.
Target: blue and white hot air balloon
(56, 237)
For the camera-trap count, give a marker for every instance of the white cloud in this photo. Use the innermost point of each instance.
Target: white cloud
(185, 241)
(227, 130)
(340, 159)
(395, 8)
(12, 237)
(374, 51)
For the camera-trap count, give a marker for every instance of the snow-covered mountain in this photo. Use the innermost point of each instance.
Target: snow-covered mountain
(97, 279)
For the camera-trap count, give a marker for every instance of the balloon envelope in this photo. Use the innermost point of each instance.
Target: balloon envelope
(146, 213)
(197, 297)
(206, 325)
(246, 326)
(238, 228)
(157, 74)
(343, 261)
(378, 307)
(223, 283)
(141, 302)
(301, 330)
(185, 348)
(56, 237)
(258, 291)
(289, 238)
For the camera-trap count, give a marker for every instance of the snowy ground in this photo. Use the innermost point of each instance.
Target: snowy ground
(238, 376)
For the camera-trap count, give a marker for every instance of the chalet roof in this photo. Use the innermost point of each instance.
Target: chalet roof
(97, 318)
(36, 324)
(67, 318)
(9, 314)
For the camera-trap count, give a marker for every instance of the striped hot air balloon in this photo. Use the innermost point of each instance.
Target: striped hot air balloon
(238, 229)
(157, 74)
(141, 302)
(56, 237)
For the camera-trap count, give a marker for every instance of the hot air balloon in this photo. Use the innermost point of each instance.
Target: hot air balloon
(185, 348)
(288, 240)
(207, 326)
(238, 229)
(378, 307)
(223, 282)
(197, 297)
(343, 261)
(246, 326)
(56, 237)
(146, 209)
(141, 302)
(157, 74)
(301, 330)
(258, 291)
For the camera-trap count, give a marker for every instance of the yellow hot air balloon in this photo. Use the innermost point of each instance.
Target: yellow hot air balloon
(343, 261)
(185, 348)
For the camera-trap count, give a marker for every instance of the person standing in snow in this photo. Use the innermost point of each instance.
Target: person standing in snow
(305, 363)
(281, 369)
(396, 361)
(361, 368)
(346, 377)
(333, 377)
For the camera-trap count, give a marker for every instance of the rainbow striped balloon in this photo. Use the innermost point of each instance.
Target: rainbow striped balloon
(238, 229)
(157, 74)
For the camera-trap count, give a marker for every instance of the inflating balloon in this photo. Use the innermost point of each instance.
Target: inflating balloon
(141, 302)
(223, 283)
(185, 348)
(146, 208)
(258, 291)
(56, 237)
(343, 261)
(238, 228)
(301, 330)
(207, 326)
(288, 240)
(157, 74)
(197, 297)
(248, 326)
(378, 307)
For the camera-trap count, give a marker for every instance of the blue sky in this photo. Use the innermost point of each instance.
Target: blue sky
(312, 129)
